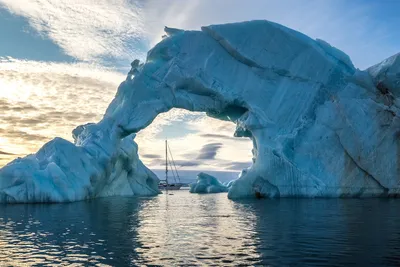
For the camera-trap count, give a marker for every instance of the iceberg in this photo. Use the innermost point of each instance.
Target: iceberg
(94, 166)
(320, 127)
(207, 184)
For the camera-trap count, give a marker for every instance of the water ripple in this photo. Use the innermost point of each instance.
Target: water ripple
(209, 230)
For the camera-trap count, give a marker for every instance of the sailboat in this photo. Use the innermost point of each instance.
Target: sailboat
(166, 184)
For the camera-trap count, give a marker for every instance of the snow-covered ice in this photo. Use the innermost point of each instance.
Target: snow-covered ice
(207, 184)
(319, 126)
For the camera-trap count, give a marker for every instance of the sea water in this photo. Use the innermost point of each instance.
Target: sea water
(186, 229)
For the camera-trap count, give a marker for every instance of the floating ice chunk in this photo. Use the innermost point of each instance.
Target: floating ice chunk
(207, 184)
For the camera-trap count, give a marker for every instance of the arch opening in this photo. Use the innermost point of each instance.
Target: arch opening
(199, 143)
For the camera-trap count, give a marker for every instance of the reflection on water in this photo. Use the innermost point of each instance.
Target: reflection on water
(187, 229)
(190, 229)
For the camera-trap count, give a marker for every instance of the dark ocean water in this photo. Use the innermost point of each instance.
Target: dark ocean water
(187, 229)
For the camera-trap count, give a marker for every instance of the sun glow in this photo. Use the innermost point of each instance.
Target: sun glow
(9, 90)
(39, 101)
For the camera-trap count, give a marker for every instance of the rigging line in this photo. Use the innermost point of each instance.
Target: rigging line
(176, 171)
(173, 161)
(172, 170)
(167, 149)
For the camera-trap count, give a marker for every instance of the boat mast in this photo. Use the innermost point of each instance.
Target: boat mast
(166, 163)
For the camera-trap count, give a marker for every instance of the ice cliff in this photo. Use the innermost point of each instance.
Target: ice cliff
(319, 126)
(207, 184)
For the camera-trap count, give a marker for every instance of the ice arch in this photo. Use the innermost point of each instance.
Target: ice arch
(319, 126)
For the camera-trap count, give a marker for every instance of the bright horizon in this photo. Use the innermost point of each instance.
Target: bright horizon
(55, 75)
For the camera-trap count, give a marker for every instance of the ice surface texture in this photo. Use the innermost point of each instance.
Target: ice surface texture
(319, 126)
(207, 184)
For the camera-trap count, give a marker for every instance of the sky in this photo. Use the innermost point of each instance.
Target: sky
(62, 61)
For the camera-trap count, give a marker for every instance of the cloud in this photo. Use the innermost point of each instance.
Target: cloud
(223, 136)
(209, 151)
(15, 107)
(187, 163)
(150, 156)
(15, 135)
(237, 165)
(176, 123)
(87, 30)
(202, 155)
(220, 164)
(6, 153)
(42, 100)
(187, 147)
(216, 136)
(178, 163)
(120, 30)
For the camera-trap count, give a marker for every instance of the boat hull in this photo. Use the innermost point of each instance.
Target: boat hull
(170, 186)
